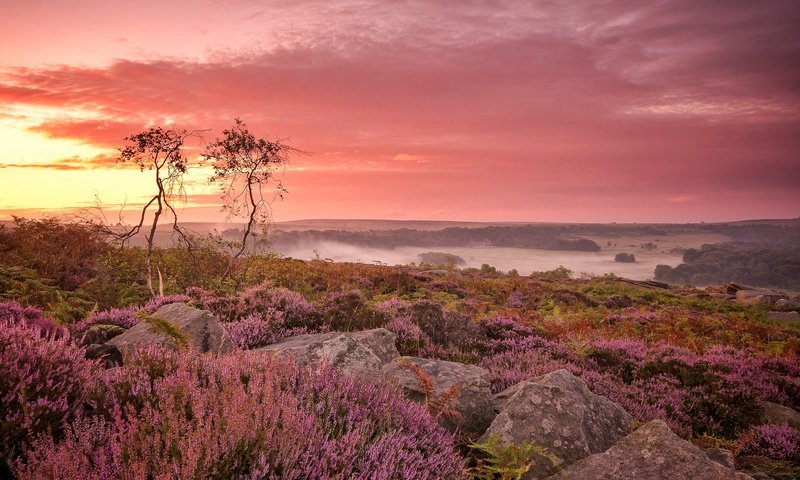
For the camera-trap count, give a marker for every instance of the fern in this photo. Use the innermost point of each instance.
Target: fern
(505, 460)
(438, 405)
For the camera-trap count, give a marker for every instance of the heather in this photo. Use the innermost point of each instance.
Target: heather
(168, 415)
(701, 364)
(45, 383)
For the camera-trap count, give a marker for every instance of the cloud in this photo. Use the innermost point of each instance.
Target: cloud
(74, 163)
(507, 103)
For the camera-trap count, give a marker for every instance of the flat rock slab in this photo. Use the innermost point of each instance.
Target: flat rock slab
(176, 326)
(790, 316)
(558, 412)
(362, 353)
(652, 452)
(473, 401)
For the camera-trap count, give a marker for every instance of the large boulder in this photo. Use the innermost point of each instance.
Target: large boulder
(558, 412)
(762, 298)
(473, 400)
(778, 414)
(652, 452)
(176, 326)
(361, 353)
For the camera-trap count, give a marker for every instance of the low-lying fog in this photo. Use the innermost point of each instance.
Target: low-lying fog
(524, 260)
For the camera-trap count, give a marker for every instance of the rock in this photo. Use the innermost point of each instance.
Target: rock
(473, 401)
(722, 296)
(382, 342)
(721, 456)
(783, 316)
(778, 414)
(652, 452)
(111, 355)
(787, 305)
(362, 353)
(558, 412)
(99, 334)
(500, 399)
(761, 298)
(176, 326)
(744, 476)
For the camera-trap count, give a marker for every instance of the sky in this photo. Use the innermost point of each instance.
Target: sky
(482, 110)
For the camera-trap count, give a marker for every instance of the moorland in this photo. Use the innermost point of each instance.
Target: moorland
(715, 368)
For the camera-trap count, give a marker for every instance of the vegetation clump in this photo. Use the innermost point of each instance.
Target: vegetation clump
(625, 258)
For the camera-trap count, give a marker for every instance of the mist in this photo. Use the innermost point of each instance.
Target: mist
(524, 260)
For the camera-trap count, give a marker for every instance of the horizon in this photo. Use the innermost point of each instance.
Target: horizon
(490, 112)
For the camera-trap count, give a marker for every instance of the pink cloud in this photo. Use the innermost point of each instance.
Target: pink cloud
(518, 110)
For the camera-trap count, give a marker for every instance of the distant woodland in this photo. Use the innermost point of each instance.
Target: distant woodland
(750, 263)
(548, 237)
(544, 236)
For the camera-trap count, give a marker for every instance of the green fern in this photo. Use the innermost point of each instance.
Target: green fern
(505, 460)
(165, 327)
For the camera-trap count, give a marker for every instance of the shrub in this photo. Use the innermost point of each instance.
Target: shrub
(32, 317)
(411, 340)
(121, 317)
(249, 416)
(778, 442)
(349, 311)
(61, 251)
(257, 330)
(44, 383)
(625, 258)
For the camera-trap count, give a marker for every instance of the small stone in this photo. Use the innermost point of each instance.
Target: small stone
(109, 354)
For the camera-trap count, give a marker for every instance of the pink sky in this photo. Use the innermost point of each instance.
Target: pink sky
(466, 110)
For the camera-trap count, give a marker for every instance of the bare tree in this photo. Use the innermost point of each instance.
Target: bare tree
(243, 166)
(160, 151)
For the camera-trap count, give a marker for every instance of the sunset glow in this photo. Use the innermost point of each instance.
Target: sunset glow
(491, 110)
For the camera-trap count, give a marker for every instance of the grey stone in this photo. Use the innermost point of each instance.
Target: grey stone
(558, 412)
(362, 353)
(382, 342)
(778, 414)
(783, 316)
(788, 304)
(652, 452)
(721, 456)
(473, 401)
(176, 326)
(109, 354)
(98, 334)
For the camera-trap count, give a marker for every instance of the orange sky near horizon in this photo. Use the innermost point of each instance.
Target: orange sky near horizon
(488, 110)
